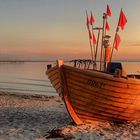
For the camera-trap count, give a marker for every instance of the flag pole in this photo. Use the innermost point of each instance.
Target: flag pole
(97, 44)
(90, 43)
(103, 32)
(104, 36)
(117, 29)
(108, 13)
(113, 45)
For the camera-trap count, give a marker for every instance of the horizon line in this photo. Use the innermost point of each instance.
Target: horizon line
(123, 60)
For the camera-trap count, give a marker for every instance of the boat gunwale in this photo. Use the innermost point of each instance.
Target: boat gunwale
(107, 76)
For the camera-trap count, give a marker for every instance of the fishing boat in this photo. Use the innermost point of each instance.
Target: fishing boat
(92, 94)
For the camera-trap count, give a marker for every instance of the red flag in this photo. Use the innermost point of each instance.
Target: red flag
(117, 41)
(90, 35)
(122, 20)
(108, 11)
(87, 22)
(107, 26)
(91, 19)
(93, 39)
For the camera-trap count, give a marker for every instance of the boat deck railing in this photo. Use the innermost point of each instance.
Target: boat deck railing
(84, 63)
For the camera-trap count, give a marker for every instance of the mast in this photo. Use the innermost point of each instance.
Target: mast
(104, 51)
(107, 47)
(117, 30)
(103, 34)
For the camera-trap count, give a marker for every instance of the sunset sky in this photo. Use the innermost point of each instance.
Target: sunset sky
(52, 29)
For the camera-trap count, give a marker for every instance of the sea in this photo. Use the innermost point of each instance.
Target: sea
(31, 78)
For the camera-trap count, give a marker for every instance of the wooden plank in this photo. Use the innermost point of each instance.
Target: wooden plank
(102, 75)
(55, 76)
(104, 92)
(82, 116)
(58, 90)
(55, 82)
(53, 73)
(102, 87)
(96, 105)
(99, 109)
(57, 86)
(95, 117)
(108, 83)
(93, 101)
(98, 79)
(52, 69)
(100, 113)
(114, 104)
(87, 119)
(83, 91)
(102, 95)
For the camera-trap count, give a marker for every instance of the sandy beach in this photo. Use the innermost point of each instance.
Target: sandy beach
(36, 117)
(27, 117)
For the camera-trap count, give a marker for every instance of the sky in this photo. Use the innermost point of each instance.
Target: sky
(56, 29)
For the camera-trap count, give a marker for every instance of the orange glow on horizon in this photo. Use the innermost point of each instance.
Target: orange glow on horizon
(29, 31)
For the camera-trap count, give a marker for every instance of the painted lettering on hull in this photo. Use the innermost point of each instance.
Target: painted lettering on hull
(96, 84)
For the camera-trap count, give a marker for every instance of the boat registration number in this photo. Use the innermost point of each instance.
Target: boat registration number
(94, 83)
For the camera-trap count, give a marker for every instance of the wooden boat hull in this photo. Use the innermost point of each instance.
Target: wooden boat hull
(96, 96)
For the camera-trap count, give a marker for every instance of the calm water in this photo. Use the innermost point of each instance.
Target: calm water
(31, 78)
(25, 78)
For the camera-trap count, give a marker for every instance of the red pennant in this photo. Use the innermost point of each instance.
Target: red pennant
(122, 20)
(108, 11)
(93, 39)
(107, 26)
(117, 41)
(90, 35)
(91, 19)
(87, 22)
